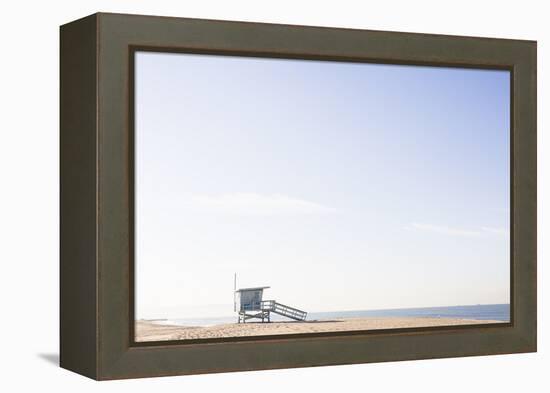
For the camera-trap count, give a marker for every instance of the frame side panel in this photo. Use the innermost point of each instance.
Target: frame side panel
(78, 190)
(525, 196)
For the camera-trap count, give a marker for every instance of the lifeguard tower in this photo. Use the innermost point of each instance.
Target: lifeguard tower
(250, 305)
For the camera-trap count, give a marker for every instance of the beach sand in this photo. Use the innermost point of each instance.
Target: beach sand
(149, 331)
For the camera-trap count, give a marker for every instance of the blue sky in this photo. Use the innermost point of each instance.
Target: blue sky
(341, 185)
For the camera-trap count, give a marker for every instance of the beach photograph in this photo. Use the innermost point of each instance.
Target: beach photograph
(286, 196)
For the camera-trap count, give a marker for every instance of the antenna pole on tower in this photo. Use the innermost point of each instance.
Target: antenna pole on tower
(235, 292)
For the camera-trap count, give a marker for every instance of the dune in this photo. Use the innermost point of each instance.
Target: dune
(156, 331)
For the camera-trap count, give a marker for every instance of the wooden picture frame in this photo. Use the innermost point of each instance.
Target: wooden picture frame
(96, 257)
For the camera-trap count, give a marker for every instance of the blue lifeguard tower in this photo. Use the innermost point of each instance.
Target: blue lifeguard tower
(249, 304)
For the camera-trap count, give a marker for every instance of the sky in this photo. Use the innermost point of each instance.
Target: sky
(342, 186)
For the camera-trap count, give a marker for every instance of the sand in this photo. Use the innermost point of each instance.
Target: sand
(155, 331)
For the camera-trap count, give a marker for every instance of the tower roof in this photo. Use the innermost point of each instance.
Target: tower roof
(251, 289)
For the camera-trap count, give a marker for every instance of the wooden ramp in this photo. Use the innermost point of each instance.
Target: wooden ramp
(283, 310)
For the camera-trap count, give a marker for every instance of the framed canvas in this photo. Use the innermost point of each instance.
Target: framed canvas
(245, 196)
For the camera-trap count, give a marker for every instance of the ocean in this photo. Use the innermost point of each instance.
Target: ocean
(497, 312)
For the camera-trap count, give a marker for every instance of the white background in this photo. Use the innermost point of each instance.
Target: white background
(29, 194)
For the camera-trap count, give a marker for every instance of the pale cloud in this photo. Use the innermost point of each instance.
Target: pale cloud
(258, 204)
(456, 231)
(446, 230)
(496, 231)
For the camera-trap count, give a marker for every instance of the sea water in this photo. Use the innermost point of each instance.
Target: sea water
(496, 312)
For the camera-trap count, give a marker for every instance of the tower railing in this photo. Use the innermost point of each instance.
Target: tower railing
(284, 310)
